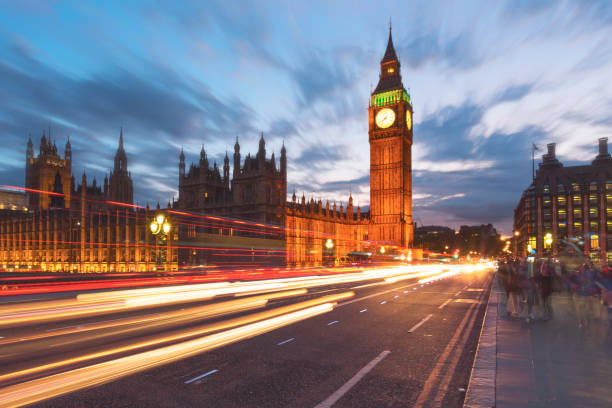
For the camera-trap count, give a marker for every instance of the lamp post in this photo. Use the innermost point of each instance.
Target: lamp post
(329, 247)
(160, 228)
(548, 240)
(516, 235)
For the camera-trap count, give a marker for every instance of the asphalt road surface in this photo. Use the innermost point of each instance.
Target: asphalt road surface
(394, 345)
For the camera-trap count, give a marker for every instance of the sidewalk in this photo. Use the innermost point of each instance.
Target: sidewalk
(544, 363)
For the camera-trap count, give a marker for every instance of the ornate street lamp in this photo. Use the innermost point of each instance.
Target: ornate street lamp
(160, 228)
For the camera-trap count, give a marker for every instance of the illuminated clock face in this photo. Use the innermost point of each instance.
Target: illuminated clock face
(385, 118)
(408, 119)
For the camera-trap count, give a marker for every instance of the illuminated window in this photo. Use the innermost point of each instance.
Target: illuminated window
(576, 199)
(532, 242)
(608, 185)
(593, 199)
(561, 214)
(609, 198)
(577, 213)
(560, 188)
(546, 201)
(562, 224)
(577, 227)
(390, 70)
(594, 241)
(594, 226)
(593, 212)
(593, 186)
(609, 226)
(575, 187)
(561, 200)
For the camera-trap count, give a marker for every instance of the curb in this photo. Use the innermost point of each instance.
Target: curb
(481, 387)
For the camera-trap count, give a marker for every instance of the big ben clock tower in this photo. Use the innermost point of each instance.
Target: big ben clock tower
(390, 136)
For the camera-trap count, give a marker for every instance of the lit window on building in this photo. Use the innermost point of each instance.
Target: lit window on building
(560, 188)
(561, 200)
(577, 213)
(593, 212)
(562, 225)
(594, 241)
(546, 201)
(575, 187)
(532, 242)
(609, 226)
(578, 226)
(593, 199)
(609, 199)
(577, 200)
(546, 189)
(609, 185)
(594, 226)
(593, 186)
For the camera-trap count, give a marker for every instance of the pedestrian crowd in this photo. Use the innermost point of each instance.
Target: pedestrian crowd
(529, 284)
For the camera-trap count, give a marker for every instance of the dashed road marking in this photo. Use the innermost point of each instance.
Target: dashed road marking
(363, 310)
(419, 324)
(286, 341)
(332, 399)
(199, 377)
(383, 302)
(334, 322)
(444, 304)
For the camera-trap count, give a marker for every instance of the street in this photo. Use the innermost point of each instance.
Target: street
(399, 344)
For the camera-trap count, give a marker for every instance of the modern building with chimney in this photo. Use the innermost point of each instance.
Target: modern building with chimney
(567, 202)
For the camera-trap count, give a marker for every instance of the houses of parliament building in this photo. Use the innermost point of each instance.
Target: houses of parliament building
(85, 227)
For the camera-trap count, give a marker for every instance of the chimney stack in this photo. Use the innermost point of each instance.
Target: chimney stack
(603, 147)
(551, 151)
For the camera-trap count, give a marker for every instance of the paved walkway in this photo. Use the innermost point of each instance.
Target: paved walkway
(551, 363)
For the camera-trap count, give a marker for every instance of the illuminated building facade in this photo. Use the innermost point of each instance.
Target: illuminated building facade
(257, 191)
(567, 202)
(78, 228)
(390, 136)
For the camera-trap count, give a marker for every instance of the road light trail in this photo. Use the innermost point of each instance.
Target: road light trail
(182, 334)
(111, 302)
(58, 384)
(158, 319)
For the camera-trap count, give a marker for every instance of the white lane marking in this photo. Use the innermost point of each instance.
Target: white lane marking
(201, 376)
(332, 399)
(465, 287)
(334, 322)
(348, 302)
(286, 341)
(363, 310)
(457, 294)
(369, 285)
(444, 304)
(419, 324)
(406, 291)
(395, 297)
(383, 302)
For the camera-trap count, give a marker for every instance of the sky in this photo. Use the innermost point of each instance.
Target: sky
(487, 79)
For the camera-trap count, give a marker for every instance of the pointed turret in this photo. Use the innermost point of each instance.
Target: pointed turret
(390, 77)
(236, 158)
(68, 150)
(29, 149)
(226, 168)
(43, 143)
(120, 156)
(203, 159)
(181, 164)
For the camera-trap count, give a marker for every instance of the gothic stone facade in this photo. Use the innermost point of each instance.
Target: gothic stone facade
(85, 228)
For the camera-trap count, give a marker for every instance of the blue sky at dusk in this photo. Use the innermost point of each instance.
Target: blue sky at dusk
(486, 78)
